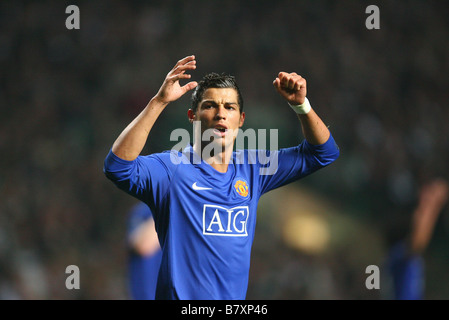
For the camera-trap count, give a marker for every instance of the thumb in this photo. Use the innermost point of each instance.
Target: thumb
(189, 86)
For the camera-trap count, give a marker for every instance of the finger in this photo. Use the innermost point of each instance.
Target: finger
(279, 88)
(300, 83)
(185, 60)
(191, 65)
(179, 76)
(189, 86)
(282, 75)
(291, 83)
(296, 83)
(284, 80)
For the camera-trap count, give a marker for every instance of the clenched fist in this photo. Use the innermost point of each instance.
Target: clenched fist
(292, 87)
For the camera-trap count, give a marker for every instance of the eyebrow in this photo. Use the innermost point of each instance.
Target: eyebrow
(214, 102)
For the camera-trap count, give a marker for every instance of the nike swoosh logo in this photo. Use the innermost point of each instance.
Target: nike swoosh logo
(195, 187)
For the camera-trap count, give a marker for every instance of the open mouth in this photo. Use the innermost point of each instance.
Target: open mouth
(220, 130)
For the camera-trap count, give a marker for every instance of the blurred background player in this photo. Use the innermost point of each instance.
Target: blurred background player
(144, 253)
(405, 263)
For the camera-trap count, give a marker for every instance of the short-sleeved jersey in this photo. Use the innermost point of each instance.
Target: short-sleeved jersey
(142, 269)
(407, 273)
(206, 219)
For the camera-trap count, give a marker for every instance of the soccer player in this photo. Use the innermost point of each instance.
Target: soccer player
(405, 262)
(144, 253)
(204, 198)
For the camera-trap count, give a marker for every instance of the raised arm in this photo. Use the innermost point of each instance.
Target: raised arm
(131, 141)
(293, 88)
(432, 199)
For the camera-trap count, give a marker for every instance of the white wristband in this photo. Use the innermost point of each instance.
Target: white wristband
(302, 108)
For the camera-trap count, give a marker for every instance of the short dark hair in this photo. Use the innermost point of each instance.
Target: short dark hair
(215, 80)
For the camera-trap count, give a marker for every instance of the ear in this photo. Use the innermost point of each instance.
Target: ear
(191, 115)
(242, 119)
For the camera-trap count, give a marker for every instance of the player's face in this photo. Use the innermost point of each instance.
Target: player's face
(219, 111)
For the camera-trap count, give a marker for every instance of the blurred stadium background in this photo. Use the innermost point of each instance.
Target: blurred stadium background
(65, 95)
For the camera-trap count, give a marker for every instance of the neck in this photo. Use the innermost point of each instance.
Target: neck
(218, 157)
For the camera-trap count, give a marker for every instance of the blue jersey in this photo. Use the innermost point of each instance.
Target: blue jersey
(142, 269)
(206, 219)
(407, 273)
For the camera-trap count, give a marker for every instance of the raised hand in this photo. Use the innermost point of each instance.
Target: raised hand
(171, 89)
(292, 87)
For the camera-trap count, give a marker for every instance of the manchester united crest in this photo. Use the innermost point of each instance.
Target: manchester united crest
(241, 187)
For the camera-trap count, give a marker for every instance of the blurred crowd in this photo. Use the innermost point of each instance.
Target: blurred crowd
(65, 95)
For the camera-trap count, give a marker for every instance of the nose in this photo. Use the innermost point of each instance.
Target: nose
(221, 112)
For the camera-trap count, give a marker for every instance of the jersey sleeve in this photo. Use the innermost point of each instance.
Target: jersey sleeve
(289, 164)
(147, 178)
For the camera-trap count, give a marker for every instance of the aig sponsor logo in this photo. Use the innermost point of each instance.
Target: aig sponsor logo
(220, 221)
